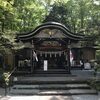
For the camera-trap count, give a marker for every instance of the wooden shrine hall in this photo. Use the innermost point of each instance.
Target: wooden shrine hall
(53, 46)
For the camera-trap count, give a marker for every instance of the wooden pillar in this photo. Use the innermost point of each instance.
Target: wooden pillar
(45, 54)
(69, 66)
(41, 54)
(55, 54)
(32, 62)
(50, 54)
(66, 56)
(14, 61)
(68, 53)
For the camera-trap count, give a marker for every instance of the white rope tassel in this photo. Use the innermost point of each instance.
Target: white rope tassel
(35, 55)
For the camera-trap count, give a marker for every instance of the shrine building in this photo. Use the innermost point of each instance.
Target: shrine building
(53, 46)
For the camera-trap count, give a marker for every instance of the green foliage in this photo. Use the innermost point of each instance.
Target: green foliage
(94, 84)
(81, 15)
(21, 16)
(98, 54)
(18, 16)
(6, 78)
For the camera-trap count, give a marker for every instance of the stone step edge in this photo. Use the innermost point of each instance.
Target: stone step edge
(49, 82)
(52, 88)
(44, 94)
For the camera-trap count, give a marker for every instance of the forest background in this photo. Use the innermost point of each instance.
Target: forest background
(21, 16)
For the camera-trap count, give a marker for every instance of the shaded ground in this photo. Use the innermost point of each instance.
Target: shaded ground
(77, 97)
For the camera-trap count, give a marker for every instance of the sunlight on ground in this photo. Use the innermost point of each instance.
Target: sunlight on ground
(20, 98)
(86, 97)
(37, 98)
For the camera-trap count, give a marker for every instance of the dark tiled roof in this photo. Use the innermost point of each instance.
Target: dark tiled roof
(56, 25)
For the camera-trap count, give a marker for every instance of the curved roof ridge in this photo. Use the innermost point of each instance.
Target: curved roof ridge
(44, 24)
(60, 26)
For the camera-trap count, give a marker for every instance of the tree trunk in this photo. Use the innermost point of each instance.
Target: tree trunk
(2, 27)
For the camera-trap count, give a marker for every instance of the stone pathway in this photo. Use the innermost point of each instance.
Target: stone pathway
(37, 98)
(78, 97)
(86, 97)
(56, 97)
(75, 97)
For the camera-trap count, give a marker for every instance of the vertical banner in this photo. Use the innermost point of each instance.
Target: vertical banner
(35, 55)
(71, 57)
(45, 65)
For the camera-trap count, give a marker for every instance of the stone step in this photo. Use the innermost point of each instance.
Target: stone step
(25, 86)
(48, 80)
(53, 86)
(65, 86)
(24, 91)
(50, 70)
(57, 69)
(43, 74)
(51, 74)
(68, 92)
(43, 82)
(53, 92)
(82, 91)
(42, 71)
(38, 80)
